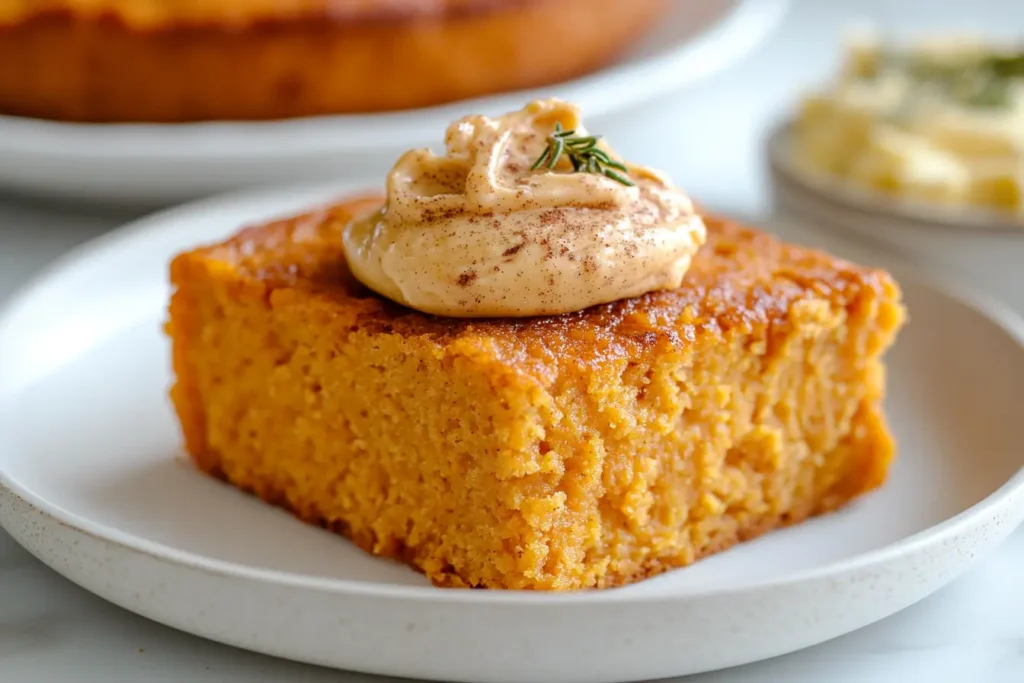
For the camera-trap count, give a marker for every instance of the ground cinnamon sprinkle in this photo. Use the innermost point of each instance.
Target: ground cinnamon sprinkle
(552, 217)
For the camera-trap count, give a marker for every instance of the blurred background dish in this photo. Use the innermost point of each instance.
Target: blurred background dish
(156, 163)
(984, 246)
(915, 146)
(938, 122)
(131, 61)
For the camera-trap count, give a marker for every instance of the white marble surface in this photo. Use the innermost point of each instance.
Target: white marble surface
(972, 631)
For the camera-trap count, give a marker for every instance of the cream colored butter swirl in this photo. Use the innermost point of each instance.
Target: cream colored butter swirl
(477, 233)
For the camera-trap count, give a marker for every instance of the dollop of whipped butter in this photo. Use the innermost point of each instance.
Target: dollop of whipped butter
(478, 232)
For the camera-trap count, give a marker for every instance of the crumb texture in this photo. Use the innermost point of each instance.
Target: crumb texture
(580, 451)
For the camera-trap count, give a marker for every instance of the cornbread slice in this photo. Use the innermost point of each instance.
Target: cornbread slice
(585, 450)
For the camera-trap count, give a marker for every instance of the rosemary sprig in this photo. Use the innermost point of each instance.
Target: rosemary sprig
(584, 155)
(1010, 65)
(983, 82)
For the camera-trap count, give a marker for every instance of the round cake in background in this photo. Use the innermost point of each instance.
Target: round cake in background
(162, 61)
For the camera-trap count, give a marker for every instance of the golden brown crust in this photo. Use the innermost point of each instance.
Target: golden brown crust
(144, 63)
(159, 14)
(743, 280)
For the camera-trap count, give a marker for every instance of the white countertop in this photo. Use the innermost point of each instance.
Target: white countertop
(972, 631)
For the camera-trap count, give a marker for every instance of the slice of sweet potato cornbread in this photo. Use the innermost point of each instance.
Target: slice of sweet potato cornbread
(585, 450)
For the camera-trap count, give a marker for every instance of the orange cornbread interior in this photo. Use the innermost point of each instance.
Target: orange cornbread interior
(585, 450)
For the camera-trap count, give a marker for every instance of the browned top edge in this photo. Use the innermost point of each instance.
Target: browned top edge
(744, 280)
(331, 13)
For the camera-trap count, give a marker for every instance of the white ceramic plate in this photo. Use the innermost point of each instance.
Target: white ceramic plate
(91, 482)
(166, 163)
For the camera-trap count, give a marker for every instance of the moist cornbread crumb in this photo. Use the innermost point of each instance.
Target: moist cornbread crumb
(584, 450)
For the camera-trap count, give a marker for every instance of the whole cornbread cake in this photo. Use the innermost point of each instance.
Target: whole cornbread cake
(556, 452)
(197, 60)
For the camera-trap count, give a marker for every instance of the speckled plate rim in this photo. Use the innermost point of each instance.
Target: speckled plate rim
(726, 38)
(1006, 501)
(865, 205)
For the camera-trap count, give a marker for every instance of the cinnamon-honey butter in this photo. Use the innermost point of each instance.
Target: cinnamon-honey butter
(525, 214)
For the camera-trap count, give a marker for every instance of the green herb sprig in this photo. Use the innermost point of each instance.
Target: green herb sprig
(584, 155)
(983, 82)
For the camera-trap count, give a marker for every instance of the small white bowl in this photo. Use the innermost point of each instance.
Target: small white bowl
(986, 247)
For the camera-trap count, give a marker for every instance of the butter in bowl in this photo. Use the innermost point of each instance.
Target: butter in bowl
(917, 148)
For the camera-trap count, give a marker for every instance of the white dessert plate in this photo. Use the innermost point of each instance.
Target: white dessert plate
(93, 483)
(149, 164)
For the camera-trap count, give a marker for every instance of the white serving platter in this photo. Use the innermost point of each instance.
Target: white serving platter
(142, 164)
